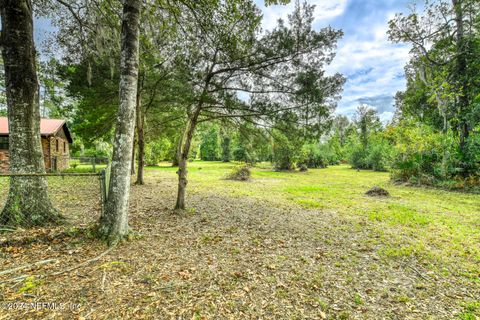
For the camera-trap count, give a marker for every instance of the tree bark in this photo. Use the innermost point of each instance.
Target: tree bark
(183, 159)
(27, 203)
(134, 147)
(178, 148)
(114, 221)
(141, 140)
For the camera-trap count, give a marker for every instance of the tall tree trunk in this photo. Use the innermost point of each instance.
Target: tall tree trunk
(134, 147)
(183, 159)
(27, 203)
(114, 221)
(461, 75)
(141, 140)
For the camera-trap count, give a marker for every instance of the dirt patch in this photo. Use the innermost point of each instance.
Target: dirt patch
(377, 192)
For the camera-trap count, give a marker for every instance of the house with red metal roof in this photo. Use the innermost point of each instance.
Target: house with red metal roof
(55, 138)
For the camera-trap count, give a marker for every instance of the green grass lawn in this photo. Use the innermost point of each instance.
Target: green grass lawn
(284, 245)
(84, 168)
(440, 228)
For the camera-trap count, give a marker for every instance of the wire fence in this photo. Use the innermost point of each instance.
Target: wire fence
(78, 197)
(32, 252)
(87, 164)
(62, 163)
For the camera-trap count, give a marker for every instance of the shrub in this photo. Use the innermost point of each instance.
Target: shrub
(357, 157)
(313, 156)
(241, 154)
(433, 158)
(377, 156)
(241, 173)
(422, 155)
(285, 153)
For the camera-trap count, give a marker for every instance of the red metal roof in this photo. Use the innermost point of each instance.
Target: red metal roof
(47, 126)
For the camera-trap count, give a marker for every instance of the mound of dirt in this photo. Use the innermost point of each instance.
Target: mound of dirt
(377, 192)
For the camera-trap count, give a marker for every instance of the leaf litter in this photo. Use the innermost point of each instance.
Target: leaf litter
(226, 258)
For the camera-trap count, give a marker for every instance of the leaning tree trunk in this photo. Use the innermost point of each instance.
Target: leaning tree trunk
(141, 140)
(114, 221)
(27, 202)
(178, 149)
(183, 159)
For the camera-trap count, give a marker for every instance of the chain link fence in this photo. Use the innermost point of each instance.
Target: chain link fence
(79, 197)
(63, 163)
(87, 164)
(31, 253)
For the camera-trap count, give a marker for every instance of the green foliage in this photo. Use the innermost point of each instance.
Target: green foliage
(376, 156)
(285, 152)
(249, 144)
(424, 156)
(240, 153)
(94, 98)
(357, 156)
(438, 115)
(369, 146)
(226, 152)
(98, 148)
(210, 149)
(315, 155)
(156, 151)
(30, 284)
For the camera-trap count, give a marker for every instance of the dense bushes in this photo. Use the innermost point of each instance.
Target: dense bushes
(376, 156)
(285, 152)
(241, 153)
(210, 147)
(319, 155)
(156, 151)
(413, 153)
(426, 157)
(312, 156)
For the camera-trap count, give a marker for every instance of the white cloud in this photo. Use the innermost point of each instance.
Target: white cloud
(324, 10)
(386, 116)
(374, 68)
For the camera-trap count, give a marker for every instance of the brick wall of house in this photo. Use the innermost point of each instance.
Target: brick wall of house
(46, 152)
(59, 152)
(50, 152)
(4, 160)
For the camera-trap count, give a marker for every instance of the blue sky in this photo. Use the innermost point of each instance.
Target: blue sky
(373, 65)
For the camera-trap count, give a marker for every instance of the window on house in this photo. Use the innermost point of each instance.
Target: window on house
(57, 145)
(3, 143)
